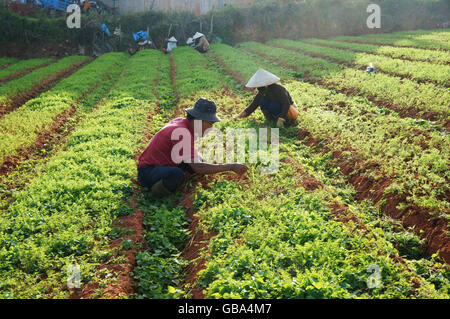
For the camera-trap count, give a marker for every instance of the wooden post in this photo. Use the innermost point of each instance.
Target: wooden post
(212, 24)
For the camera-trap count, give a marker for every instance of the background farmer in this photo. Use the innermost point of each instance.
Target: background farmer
(201, 44)
(158, 171)
(274, 100)
(171, 44)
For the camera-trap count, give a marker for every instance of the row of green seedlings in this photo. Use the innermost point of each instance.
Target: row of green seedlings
(22, 67)
(414, 70)
(412, 54)
(385, 149)
(20, 128)
(275, 240)
(7, 61)
(442, 37)
(419, 32)
(159, 265)
(161, 270)
(439, 35)
(63, 218)
(85, 88)
(407, 97)
(380, 39)
(18, 91)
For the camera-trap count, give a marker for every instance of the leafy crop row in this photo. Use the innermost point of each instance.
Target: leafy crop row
(395, 41)
(276, 240)
(415, 158)
(439, 57)
(4, 61)
(160, 267)
(27, 82)
(438, 35)
(64, 216)
(404, 95)
(22, 66)
(420, 71)
(19, 129)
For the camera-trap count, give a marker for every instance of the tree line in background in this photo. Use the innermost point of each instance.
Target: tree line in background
(260, 21)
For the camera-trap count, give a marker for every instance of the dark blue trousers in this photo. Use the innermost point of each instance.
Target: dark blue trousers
(171, 176)
(270, 109)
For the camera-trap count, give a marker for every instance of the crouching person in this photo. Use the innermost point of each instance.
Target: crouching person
(159, 168)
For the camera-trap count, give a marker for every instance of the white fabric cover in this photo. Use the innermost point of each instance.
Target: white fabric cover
(198, 35)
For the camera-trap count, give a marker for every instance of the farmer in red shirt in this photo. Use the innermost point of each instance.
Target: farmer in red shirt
(171, 152)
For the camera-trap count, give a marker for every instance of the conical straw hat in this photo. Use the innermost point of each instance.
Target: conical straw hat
(262, 78)
(172, 39)
(198, 35)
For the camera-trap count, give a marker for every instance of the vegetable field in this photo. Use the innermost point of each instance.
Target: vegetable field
(359, 206)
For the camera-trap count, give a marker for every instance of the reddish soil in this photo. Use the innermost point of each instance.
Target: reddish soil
(43, 86)
(342, 214)
(198, 241)
(125, 284)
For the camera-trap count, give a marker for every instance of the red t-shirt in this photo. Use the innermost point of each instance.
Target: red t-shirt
(167, 147)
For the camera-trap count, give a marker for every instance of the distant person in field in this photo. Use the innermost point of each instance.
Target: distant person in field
(274, 100)
(171, 44)
(190, 42)
(163, 165)
(200, 42)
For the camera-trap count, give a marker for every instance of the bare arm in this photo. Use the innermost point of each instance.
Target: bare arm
(205, 168)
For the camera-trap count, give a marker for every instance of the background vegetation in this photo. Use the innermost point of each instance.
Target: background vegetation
(261, 21)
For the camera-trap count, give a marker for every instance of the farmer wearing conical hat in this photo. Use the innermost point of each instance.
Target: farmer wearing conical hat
(163, 164)
(171, 44)
(200, 42)
(274, 100)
